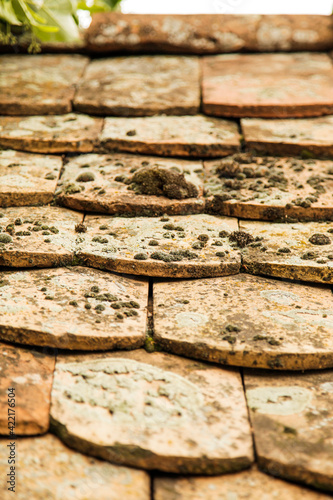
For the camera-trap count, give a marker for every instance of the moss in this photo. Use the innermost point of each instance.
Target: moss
(100, 307)
(230, 338)
(18, 222)
(232, 328)
(81, 228)
(85, 177)
(87, 306)
(5, 238)
(95, 289)
(163, 182)
(119, 316)
(73, 189)
(73, 303)
(141, 256)
(153, 243)
(161, 256)
(319, 239)
(203, 237)
(281, 250)
(100, 239)
(242, 238)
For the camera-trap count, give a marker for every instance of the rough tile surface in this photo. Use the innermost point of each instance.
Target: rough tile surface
(29, 373)
(47, 469)
(139, 86)
(246, 321)
(27, 179)
(196, 136)
(292, 420)
(269, 188)
(37, 236)
(70, 133)
(306, 137)
(249, 485)
(268, 85)
(192, 417)
(39, 85)
(132, 185)
(206, 34)
(298, 251)
(73, 308)
(177, 247)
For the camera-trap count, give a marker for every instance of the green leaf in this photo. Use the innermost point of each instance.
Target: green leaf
(7, 13)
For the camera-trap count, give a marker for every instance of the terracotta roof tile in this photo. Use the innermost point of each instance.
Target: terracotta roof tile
(307, 137)
(268, 85)
(246, 321)
(205, 34)
(69, 133)
(27, 179)
(291, 418)
(192, 417)
(140, 86)
(39, 85)
(29, 373)
(191, 136)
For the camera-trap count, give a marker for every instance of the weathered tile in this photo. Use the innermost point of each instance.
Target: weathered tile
(269, 188)
(27, 179)
(292, 420)
(70, 133)
(298, 251)
(250, 485)
(192, 417)
(177, 247)
(47, 469)
(139, 86)
(28, 375)
(204, 34)
(305, 137)
(43, 84)
(196, 136)
(121, 184)
(37, 236)
(73, 308)
(246, 321)
(268, 85)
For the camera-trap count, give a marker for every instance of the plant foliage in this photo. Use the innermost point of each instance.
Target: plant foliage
(46, 20)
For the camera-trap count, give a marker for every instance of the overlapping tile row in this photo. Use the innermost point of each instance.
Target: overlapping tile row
(190, 246)
(294, 85)
(206, 34)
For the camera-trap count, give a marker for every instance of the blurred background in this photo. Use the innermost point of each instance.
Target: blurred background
(227, 6)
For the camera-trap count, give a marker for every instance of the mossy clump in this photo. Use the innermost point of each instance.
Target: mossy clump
(320, 239)
(85, 177)
(242, 238)
(141, 256)
(161, 181)
(80, 228)
(5, 238)
(73, 189)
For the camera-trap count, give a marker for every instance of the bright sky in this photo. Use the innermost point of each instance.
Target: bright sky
(227, 6)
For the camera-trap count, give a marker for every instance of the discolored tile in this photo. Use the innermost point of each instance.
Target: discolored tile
(176, 247)
(70, 133)
(140, 86)
(73, 308)
(269, 188)
(306, 137)
(192, 417)
(27, 179)
(39, 85)
(196, 136)
(268, 85)
(292, 420)
(37, 236)
(251, 485)
(132, 185)
(25, 381)
(47, 469)
(297, 251)
(246, 321)
(209, 33)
